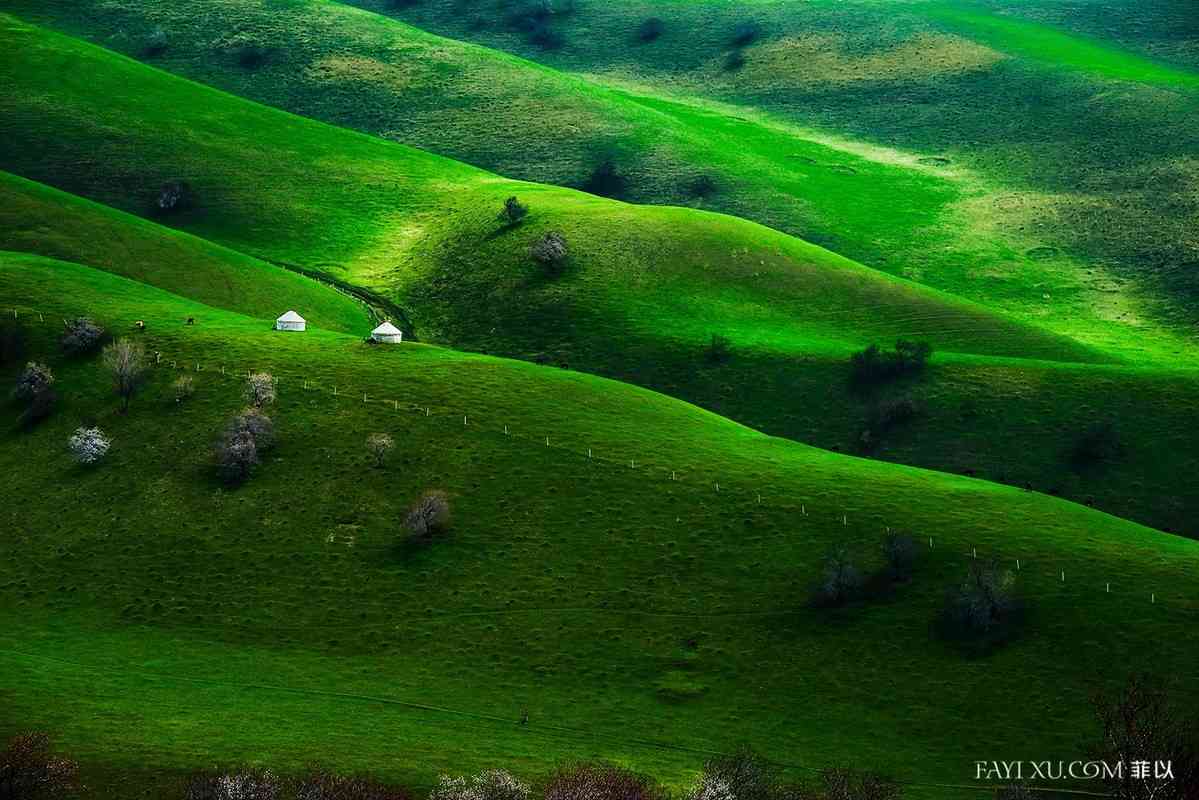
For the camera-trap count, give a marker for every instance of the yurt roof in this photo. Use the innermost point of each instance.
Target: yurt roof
(386, 329)
(290, 316)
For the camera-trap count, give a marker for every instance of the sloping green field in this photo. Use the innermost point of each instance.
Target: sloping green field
(172, 623)
(910, 206)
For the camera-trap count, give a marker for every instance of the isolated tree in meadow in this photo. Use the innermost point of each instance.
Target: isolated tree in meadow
(89, 446)
(429, 516)
(1142, 723)
(840, 579)
(126, 362)
(260, 389)
(35, 379)
(256, 423)
(82, 336)
(550, 251)
(379, 445)
(983, 601)
(651, 29)
(241, 444)
(513, 211)
(495, 784)
(29, 771)
(245, 785)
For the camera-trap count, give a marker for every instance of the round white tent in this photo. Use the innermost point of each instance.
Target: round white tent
(291, 321)
(388, 334)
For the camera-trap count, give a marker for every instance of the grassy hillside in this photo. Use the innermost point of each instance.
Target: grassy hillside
(637, 617)
(1080, 115)
(38, 219)
(643, 291)
(917, 212)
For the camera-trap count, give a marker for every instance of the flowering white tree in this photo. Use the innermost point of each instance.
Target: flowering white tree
(235, 786)
(89, 445)
(495, 784)
(260, 389)
(711, 787)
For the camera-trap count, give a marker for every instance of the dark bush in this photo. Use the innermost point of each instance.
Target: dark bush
(35, 379)
(848, 784)
(173, 197)
(82, 336)
(734, 61)
(1098, 444)
(250, 55)
(899, 555)
(840, 580)
(40, 407)
(550, 251)
(156, 43)
(513, 211)
(884, 416)
(874, 365)
(719, 349)
(13, 342)
(606, 181)
(601, 782)
(29, 771)
(984, 604)
(746, 33)
(651, 29)
(546, 37)
(702, 187)
(429, 516)
(323, 785)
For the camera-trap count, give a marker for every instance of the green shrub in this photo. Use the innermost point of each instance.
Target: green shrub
(874, 365)
(651, 29)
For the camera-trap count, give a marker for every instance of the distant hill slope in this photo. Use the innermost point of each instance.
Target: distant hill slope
(636, 617)
(424, 230)
(915, 212)
(38, 219)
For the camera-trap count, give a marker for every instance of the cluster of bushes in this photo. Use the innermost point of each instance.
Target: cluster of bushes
(535, 19)
(249, 434)
(874, 365)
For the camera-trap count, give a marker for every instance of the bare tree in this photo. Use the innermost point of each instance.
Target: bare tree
(379, 445)
(429, 516)
(28, 770)
(741, 776)
(1144, 731)
(89, 446)
(847, 784)
(126, 361)
(260, 389)
(985, 600)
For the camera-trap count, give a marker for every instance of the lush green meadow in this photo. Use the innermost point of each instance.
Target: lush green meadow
(640, 512)
(171, 623)
(680, 130)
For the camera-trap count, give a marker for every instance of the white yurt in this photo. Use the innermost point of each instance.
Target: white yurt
(291, 321)
(388, 334)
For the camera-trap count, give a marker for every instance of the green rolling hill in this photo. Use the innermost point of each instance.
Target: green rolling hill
(644, 290)
(172, 623)
(963, 217)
